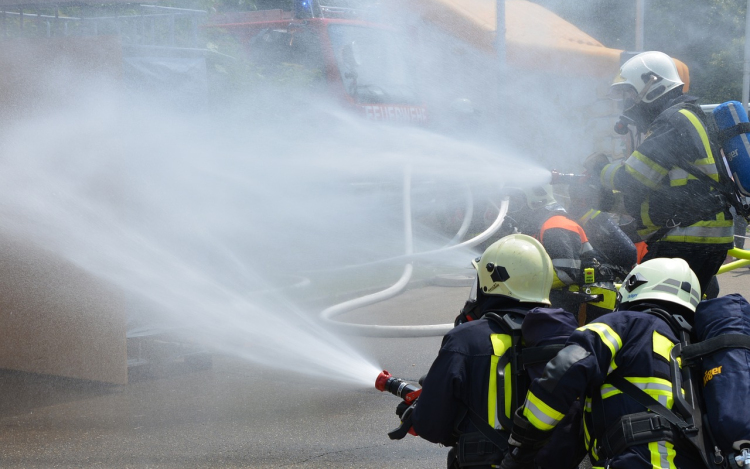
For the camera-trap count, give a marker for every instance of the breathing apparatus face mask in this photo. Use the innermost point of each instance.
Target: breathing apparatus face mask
(634, 110)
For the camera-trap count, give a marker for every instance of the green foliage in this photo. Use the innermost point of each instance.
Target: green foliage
(708, 35)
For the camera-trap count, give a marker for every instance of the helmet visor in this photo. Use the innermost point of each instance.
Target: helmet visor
(625, 94)
(622, 91)
(473, 291)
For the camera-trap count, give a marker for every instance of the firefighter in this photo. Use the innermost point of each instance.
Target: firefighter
(614, 246)
(678, 214)
(471, 389)
(537, 213)
(632, 344)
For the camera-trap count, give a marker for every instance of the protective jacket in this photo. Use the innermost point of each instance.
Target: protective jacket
(568, 246)
(670, 204)
(616, 250)
(471, 374)
(634, 345)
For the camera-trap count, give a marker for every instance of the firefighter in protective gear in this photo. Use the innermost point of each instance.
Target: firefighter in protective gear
(633, 345)
(537, 213)
(469, 394)
(678, 214)
(614, 246)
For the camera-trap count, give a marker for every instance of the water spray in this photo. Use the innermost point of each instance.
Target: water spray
(405, 331)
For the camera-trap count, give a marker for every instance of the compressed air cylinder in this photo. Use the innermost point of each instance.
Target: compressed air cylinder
(725, 373)
(737, 148)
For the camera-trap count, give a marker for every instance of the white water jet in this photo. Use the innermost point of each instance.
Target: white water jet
(207, 225)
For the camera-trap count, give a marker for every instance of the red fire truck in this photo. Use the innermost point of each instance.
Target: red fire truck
(341, 46)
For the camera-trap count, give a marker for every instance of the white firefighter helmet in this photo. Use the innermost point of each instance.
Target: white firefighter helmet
(645, 77)
(662, 279)
(516, 266)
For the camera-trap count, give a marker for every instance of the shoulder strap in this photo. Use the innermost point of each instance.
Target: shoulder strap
(731, 132)
(692, 352)
(726, 185)
(518, 378)
(649, 402)
(677, 323)
(541, 354)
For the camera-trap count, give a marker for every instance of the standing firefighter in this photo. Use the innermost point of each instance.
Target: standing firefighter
(480, 374)
(679, 214)
(602, 361)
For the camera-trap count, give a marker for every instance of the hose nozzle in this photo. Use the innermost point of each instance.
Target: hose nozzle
(396, 386)
(566, 178)
(381, 380)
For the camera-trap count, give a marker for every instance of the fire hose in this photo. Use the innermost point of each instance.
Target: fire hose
(404, 331)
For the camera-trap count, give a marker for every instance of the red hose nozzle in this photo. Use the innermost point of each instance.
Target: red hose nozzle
(396, 386)
(381, 380)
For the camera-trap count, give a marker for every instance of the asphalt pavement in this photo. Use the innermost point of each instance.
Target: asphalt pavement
(236, 413)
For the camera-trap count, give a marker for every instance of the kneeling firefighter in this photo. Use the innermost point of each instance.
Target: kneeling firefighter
(483, 367)
(624, 366)
(583, 281)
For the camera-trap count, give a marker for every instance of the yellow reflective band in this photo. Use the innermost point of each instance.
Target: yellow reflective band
(556, 282)
(702, 133)
(590, 215)
(608, 336)
(662, 454)
(650, 228)
(645, 170)
(645, 218)
(706, 232)
(541, 415)
(593, 452)
(662, 345)
(586, 435)
(680, 177)
(501, 343)
(607, 176)
(658, 389)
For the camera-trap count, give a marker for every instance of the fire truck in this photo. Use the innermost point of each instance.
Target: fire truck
(341, 48)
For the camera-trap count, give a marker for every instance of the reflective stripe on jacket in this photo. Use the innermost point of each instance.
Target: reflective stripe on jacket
(465, 373)
(633, 344)
(659, 191)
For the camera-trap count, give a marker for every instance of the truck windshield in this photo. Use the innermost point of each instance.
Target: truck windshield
(372, 64)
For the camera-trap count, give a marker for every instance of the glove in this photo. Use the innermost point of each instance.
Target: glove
(518, 458)
(525, 441)
(401, 408)
(405, 427)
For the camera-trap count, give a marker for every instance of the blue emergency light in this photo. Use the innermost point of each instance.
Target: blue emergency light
(303, 9)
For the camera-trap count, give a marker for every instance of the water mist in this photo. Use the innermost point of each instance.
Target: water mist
(208, 226)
